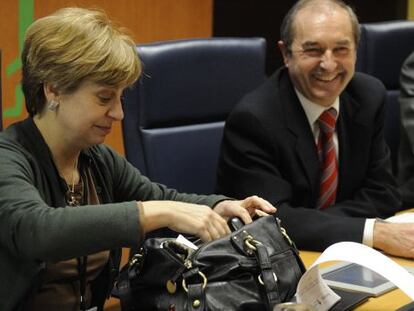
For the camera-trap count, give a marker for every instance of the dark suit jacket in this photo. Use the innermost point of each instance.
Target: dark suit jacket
(406, 151)
(268, 149)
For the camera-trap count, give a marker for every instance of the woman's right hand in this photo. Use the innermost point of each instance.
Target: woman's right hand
(199, 220)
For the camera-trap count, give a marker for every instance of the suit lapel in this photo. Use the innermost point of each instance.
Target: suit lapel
(352, 139)
(298, 125)
(352, 132)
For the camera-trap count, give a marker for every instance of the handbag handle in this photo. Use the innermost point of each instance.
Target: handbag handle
(235, 223)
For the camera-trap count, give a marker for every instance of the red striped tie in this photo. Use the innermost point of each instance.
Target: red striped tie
(327, 157)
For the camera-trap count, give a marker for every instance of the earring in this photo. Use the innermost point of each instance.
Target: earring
(52, 105)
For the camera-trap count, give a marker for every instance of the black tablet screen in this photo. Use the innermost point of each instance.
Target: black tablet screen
(355, 274)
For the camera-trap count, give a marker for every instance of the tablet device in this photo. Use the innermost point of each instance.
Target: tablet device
(351, 276)
(349, 299)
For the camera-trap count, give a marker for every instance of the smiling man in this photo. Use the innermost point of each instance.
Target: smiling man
(310, 139)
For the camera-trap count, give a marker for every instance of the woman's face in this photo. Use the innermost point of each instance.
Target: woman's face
(86, 115)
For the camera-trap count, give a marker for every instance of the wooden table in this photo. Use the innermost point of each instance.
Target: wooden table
(387, 302)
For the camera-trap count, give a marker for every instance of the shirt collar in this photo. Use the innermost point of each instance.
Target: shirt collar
(312, 110)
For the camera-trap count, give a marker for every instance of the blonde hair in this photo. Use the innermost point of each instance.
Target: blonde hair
(71, 45)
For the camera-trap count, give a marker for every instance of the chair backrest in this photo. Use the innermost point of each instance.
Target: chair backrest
(382, 50)
(1, 94)
(174, 115)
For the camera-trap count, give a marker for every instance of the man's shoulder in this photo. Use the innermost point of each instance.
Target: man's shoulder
(366, 90)
(364, 84)
(268, 93)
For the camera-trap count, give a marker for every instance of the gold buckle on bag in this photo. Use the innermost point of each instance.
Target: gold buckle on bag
(203, 277)
(251, 243)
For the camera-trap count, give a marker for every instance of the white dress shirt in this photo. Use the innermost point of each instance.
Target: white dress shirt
(313, 111)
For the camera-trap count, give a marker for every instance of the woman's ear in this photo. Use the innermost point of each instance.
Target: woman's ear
(51, 95)
(50, 92)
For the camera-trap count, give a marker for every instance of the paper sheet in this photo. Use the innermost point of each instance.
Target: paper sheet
(313, 291)
(181, 239)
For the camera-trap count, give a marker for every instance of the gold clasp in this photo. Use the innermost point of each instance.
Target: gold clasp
(204, 278)
(251, 243)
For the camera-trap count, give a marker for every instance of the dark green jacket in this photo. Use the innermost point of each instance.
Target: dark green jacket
(36, 226)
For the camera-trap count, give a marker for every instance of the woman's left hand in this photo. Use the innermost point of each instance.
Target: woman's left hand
(245, 209)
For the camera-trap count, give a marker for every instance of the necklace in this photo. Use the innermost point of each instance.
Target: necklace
(72, 199)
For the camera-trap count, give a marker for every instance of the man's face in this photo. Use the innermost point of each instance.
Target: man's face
(323, 54)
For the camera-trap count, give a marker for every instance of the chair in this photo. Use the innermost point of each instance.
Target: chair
(1, 95)
(174, 115)
(382, 50)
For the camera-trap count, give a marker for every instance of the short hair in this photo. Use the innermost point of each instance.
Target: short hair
(287, 30)
(70, 46)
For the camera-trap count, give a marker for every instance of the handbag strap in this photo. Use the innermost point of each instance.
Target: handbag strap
(246, 243)
(122, 289)
(195, 292)
(196, 297)
(267, 277)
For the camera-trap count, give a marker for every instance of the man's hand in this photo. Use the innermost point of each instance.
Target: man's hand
(245, 209)
(394, 238)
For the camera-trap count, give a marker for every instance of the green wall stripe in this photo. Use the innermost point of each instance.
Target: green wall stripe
(26, 17)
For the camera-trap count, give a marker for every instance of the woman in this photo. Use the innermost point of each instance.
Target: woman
(67, 202)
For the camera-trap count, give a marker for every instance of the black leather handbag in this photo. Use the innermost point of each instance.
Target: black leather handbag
(253, 268)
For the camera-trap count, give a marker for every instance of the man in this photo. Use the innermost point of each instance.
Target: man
(328, 186)
(406, 155)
